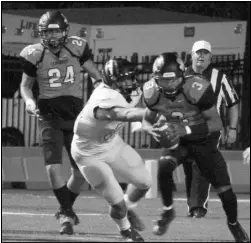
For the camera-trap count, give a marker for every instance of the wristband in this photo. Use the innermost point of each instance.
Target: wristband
(200, 129)
(232, 128)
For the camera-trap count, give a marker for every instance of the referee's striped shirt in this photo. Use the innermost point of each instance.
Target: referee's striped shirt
(223, 88)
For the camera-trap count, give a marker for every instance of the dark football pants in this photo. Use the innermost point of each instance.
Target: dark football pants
(54, 134)
(209, 159)
(197, 187)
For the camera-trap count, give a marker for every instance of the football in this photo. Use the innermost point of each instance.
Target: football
(168, 136)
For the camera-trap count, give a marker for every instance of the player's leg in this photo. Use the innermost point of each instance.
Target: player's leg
(130, 166)
(199, 190)
(199, 194)
(52, 143)
(76, 180)
(188, 171)
(100, 176)
(214, 168)
(167, 163)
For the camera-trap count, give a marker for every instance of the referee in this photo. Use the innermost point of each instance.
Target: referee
(197, 186)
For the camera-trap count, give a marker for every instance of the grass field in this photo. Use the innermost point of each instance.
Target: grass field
(28, 216)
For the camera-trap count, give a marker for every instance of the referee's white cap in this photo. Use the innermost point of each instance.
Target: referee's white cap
(201, 44)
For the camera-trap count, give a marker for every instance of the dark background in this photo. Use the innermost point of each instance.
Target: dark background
(235, 10)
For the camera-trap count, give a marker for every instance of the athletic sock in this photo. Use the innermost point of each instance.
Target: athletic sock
(73, 196)
(63, 196)
(229, 203)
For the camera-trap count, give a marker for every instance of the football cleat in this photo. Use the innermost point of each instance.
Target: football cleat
(162, 224)
(69, 213)
(131, 235)
(197, 213)
(66, 229)
(135, 221)
(238, 232)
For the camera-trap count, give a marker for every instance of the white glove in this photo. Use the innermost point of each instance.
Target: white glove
(31, 108)
(246, 156)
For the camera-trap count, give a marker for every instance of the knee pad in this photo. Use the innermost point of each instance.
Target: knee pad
(167, 164)
(51, 135)
(165, 171)
(119, 210)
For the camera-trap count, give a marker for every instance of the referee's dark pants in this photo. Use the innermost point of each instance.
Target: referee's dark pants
(197, 186)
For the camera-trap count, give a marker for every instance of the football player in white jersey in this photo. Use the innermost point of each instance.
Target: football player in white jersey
(99, 150)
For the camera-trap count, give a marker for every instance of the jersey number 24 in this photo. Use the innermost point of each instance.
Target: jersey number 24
(55, 75)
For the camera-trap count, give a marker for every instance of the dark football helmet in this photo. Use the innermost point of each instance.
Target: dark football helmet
(168, 71)
(120, 74)
(53, 30)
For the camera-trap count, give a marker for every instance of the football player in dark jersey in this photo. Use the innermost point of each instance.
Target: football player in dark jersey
(56, 63)
(192, 126)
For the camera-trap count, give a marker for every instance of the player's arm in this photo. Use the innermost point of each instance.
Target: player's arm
(149, 117)
(231, 100)
(116, 113)
(28, 79)
(88, 65)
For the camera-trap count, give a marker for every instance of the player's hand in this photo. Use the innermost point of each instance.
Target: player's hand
(179, 129)
(31, 108)
(246, 156)
(147, 127)
(231, 136)
(168, 135)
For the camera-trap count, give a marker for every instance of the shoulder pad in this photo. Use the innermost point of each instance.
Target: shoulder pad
(194, 87)
(32, 53)
(76, 45)
(151, 92)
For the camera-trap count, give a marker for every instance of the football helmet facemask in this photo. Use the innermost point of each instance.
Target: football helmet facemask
(53, 30)
(168, 71)
(120, 74)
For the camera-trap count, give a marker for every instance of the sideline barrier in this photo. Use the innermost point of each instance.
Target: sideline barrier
(26, 165)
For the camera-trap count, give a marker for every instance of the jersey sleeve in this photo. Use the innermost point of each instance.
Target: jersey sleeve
(198, 90)
(151, 93)
(80, 48)
(29, 57)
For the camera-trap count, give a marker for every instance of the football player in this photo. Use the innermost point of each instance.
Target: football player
(99, 150)
(192, 126)
(55, 63)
